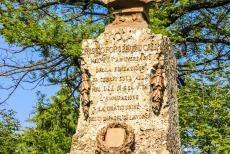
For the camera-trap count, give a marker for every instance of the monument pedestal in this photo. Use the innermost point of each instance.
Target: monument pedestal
(128, 92)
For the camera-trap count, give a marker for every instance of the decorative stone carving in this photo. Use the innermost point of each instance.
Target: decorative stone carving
(124, 148)
(157, 87)
(85, 92)
(129, 18)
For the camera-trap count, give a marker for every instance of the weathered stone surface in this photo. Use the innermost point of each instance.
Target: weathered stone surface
(132, 76)
(128, 89)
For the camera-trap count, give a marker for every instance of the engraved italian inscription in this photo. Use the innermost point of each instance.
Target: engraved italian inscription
(121, 74)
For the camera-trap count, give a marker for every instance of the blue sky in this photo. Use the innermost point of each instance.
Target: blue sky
(22, 101)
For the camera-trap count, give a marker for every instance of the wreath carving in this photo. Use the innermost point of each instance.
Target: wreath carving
(157, 85)
(125, 148)
(85, 92)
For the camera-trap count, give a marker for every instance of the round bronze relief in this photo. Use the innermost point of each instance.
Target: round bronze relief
(116, 137)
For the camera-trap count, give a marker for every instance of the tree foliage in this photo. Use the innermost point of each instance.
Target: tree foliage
(8, 131)
(55, 125)
(204, 117)
(49, 35)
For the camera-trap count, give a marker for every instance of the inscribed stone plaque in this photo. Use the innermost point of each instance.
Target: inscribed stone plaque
(131, 73)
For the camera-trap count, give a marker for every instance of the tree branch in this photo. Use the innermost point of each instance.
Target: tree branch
(207, 61)
(70, 2)
(208, 40)
(182, 10)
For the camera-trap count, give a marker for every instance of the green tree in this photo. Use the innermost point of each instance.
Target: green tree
(204, 117)
(55, 125)
(199, 30)
(8, 131)
(52, 32)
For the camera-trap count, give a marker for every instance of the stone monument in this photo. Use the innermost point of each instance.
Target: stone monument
(128, 88)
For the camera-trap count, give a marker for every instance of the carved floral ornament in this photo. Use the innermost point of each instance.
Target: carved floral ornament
(85, 92)
(125, 148)
(157, 86)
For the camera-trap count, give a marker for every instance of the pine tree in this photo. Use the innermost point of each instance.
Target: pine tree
(9, 126)
(55, 124)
